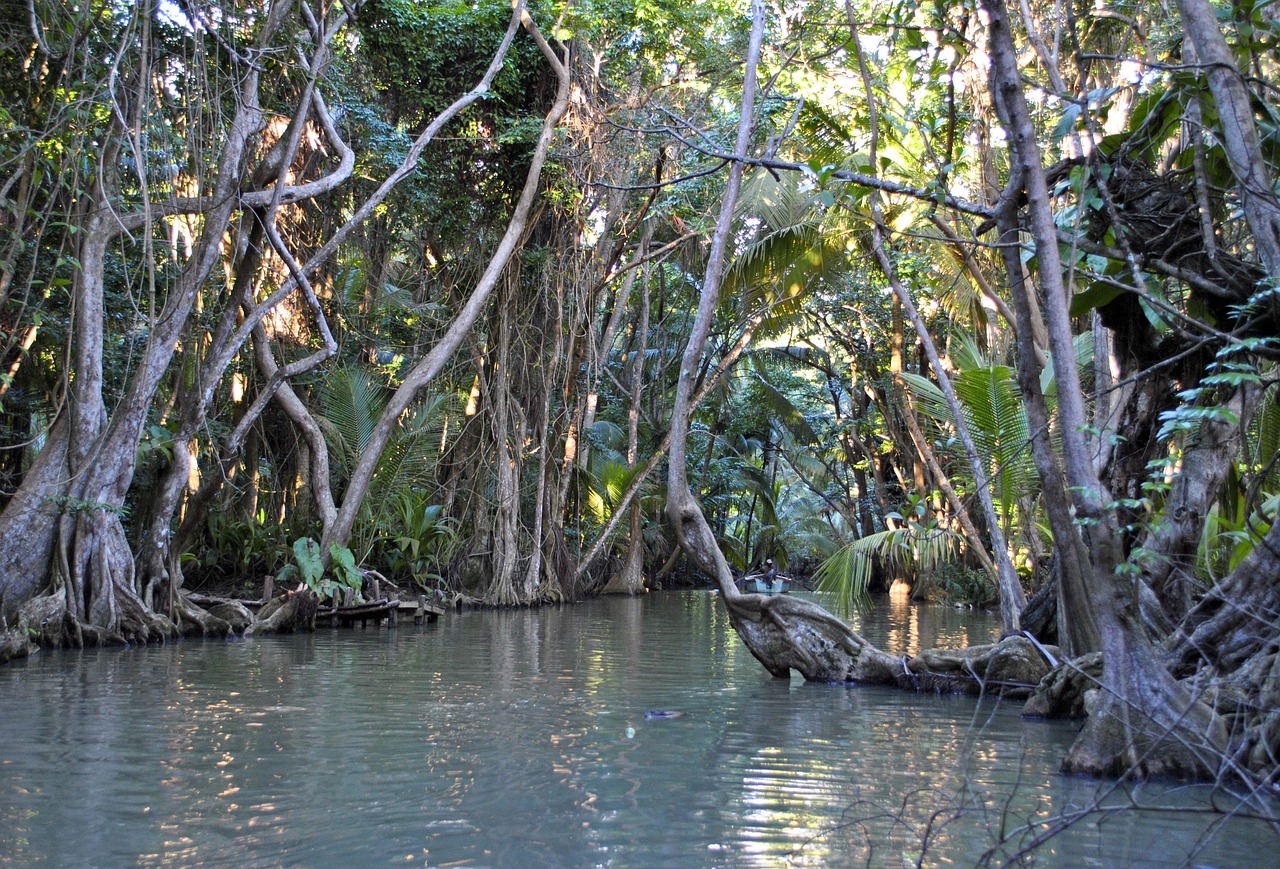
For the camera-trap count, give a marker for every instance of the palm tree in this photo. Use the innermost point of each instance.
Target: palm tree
(352, 400)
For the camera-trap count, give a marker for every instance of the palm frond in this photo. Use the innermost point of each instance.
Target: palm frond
(792, 356)
(846, 574)
(784, 411)
(790, 249)
(410, 456)
(351, 401)
(996, 420)
(609, 479)
(951, 282)
(606, 434)
(1264, 438)
(823, 137)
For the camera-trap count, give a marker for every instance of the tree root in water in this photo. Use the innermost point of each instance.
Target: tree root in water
(290, 612)
(786, 633)
(1171, 729)
(14, 644)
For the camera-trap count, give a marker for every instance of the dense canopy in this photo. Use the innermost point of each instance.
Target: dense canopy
(512, 304)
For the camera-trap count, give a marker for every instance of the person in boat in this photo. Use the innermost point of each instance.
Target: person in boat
(770, 571)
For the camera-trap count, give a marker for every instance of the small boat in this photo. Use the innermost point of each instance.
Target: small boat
(758, 585)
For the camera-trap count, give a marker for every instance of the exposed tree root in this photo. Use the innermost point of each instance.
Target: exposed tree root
(1061, 692)
(1162, 728)
(786, 633)
(1234, 622)
(1155, 731)
(237, 616)
(294, 611)
(14, 644)
(48, 621)
(629, 580)
(1013, 667)
(195, 621)
(1226, 650)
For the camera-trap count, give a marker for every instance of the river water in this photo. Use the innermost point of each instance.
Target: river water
(522, 739)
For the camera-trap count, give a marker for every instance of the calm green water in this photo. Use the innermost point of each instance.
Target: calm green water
(519, 739)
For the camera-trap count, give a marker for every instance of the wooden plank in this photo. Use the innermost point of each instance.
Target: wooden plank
(422, 610)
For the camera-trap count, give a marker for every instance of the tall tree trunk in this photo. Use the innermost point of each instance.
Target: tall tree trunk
(545, 539)
(426, 369)
(1255, 183)
(630, 580)
(1143, 721)
(90, 558)
(683, 511)
(508, 436)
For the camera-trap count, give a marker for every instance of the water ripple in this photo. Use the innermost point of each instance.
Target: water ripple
(523, 739)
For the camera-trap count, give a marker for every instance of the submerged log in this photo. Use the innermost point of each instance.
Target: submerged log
(1012, 667)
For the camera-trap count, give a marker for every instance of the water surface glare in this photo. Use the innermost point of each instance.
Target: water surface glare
(519, 739)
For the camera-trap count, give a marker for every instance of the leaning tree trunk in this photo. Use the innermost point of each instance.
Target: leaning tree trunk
(425, 371)
(1077, 625)
(257, 228)
(1012, 598)
(783, 633)
(1255, 183)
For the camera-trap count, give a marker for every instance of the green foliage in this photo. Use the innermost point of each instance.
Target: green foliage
(418, 540)
(1230, 369)
(1263, 441)
(249, 546)
(309, 568)
(71, 506)
(789, 251)
(418, 58)
(352, 401)
(648, 38)
(961, 585)
(996, 420)
(307, 562)
(1230, 535)
(344, 567)
(425, 55)
(1250, 502)
(918, 544)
